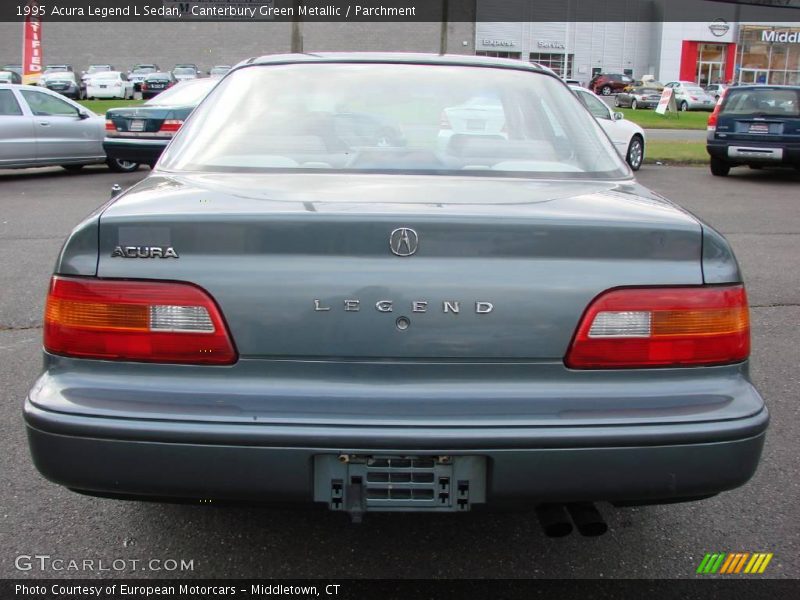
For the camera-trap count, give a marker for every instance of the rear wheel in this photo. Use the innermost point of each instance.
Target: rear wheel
(719, 167)
(72, 168)
(122, 166)
(635, 154)
(634, 104)
(605, 90)
(684, 106)
(616, 101)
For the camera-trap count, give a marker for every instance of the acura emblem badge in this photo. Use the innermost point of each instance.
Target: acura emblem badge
(404, 241)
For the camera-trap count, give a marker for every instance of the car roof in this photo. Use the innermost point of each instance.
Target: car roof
(394, 57)
(764, 87)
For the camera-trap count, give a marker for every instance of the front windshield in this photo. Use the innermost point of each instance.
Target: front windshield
(393, 117)
(184, 94)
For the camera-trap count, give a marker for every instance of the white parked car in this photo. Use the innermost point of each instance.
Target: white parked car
(111, 84)
(690, 96)
(628, 138)
(478, 116)
(40, 128)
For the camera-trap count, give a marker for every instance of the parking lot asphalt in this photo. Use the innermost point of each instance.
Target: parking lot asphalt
(759, 212)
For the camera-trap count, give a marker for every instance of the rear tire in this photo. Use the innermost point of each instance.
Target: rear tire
(720, 168)
(72, 168)
(684, 106)
(635, 155)
(634, 104)
(122, 166)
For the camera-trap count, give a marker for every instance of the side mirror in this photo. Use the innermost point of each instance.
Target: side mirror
(83, 115)
(617, 116)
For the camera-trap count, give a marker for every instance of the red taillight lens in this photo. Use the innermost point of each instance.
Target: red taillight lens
(170, 126)
(714, 116)
(136, 321)
(110, 125)
(143, 86)
(663, 327)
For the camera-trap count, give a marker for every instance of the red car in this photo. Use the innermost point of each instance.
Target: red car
(609, 83)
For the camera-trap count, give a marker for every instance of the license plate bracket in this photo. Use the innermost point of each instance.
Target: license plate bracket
(136, 125)
(357, 483)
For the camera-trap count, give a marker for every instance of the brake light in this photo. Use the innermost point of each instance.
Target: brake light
(110, 125)
(171, 126)
(661, 327)
(135, 320)
(143, 86)
(714, 116)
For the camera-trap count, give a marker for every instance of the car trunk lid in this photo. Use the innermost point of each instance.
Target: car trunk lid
(308, 266)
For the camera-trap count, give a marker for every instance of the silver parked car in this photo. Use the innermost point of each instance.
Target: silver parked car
(40, 128)
(290, 309)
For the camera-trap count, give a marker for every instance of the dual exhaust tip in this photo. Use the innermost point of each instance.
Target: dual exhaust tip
(557, 519)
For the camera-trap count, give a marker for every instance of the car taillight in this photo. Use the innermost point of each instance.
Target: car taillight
(714, 116)
(135, 321)
(170, 126)
(110, 125)
(663, 327)
(693, 98)
(444, 122)
(143, 86)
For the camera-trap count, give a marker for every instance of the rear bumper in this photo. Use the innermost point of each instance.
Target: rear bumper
(788, 153)
(135, 150)
(274, 463)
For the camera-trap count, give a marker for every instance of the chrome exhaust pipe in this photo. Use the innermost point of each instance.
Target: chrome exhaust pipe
(587, 519)
(554, 520)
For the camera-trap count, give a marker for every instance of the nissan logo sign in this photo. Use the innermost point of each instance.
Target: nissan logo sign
(719, 27)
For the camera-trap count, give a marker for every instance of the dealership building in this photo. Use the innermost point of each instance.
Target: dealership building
(717, 51)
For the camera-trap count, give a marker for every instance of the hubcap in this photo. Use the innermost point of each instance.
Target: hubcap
(635, 154)
(126, 164)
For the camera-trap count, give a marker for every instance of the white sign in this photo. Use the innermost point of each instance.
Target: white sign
(667, 101)
(505, 43)
(782, 37)
(551, 44)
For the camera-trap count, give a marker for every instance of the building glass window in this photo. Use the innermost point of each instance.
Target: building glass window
(710, 63)
(760, 60)
(499, 54)
(560, 63)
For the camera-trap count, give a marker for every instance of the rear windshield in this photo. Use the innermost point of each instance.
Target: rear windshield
(184, 94)
(768, 102)
(106, 75)
(394, 117)
(144, 70)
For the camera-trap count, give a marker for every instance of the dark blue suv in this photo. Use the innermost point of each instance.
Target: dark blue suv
(755, 125)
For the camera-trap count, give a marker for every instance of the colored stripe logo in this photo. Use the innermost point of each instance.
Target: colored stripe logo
(734, 563)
